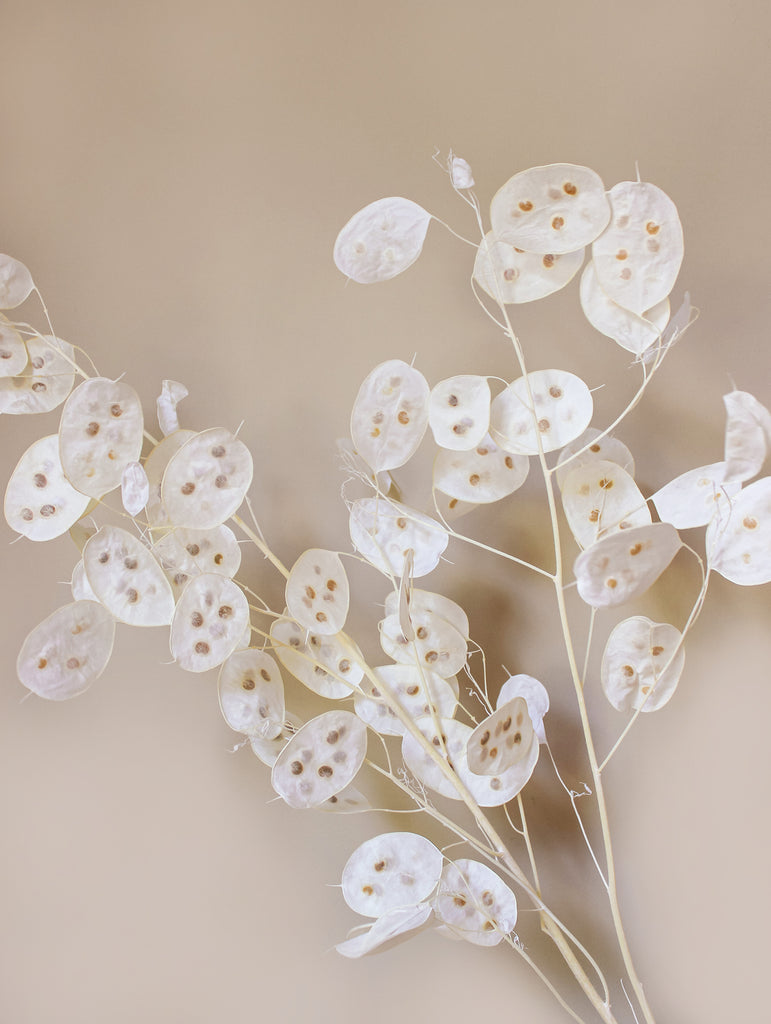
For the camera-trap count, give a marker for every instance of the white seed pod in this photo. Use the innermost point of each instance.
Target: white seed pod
(637, 258)
(322, 663)
(390, 415)
(127, 579)
(485, 474)
(600, 498)
(209, 622)
(215, 550)
(608, 448)
(695, 498)
(40, 502)
(624, 565)
(641, 664)
(381, 240)
(386, 932)
(747, 435)
(251, 694)
(415, 690)
(475, 903)
(206, 479)
(459, 411)
(554, 209)
(16, 282)
(383, 531)
(739, 545)
(45, 381)
(268, 750)
(511, 275)
(560, 411)
(172, 393)
(13, 351)
(395, 869)
(320, 760)
(679, 323)
(503, 739)
(437, 645)
(81, 588)
(100, 433)
(460, 172)
(63, 655)
(535, 694)
(348, 801)
(176, 563)
(422, 601)
(134, 488)
(155, 466)
(317, 592)
(632, 332)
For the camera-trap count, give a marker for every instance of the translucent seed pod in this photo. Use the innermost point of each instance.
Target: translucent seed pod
(155, 466)
(608, 448)
(383, 532)
(81, 588)
(395, 869)
(127, 578)
(209, 622)
(631, 332)
(423, 601)
(600, 498)
(13, 351)
(206, 479)
(320, 760)
(348, 801)
(322, 663)
(134, 488)
(511, 275)
(390, 415)
(416, 691)
(387, 931)
(642, 664)
(40, 502)
(459, 411)
(624, 565)
(747, 436)
(475, 903)
(535, 694)
(503, 739)
(560, 411)
(437, 645)
(381, 240)
(317, 592)
(251, 694)
(695, 498)
(267, 751)
(44, 383)
(16, 282)
(485, 474)
(739, 545)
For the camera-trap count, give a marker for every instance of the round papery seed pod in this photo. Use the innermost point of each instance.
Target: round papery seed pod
(45, 381)
(15, 282)
(600, 498)
(385, 531)
(209, 622)
(381, 240)
(389, 415)
(559, 411)
(502, 740)
(127, 578)
(641, 664)
(475, 903)
(317, 592)
(40, 502)
(459, 411)
(510, 275)
(320, 760)
(396, 869)
(251, 694)
(206, 480)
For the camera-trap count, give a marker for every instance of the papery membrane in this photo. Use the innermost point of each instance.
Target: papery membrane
(384, 531)
(389, 415)
(641, 664)
(381, 240)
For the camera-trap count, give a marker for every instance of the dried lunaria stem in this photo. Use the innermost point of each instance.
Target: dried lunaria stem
(172, 560)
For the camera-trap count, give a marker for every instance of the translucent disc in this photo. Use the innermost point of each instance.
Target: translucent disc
(632, 332)
(320, 760)
(421, 601)
(638, 256)
(502, 739)
(510, 275)
(99, 434)
(187, 553)
(251, 694)
(317, 591)
(40, 502)
(558, 208)
(415, 691)
(13, 351)
(436, 646)
(69, 650)
(475, 903)
(386, 931)
(608, 448)
(389, 415)
(45, 381)
(15, 282)
(134, 488)
(155, 466)
(206, 479)
(747, 435)
(381, 240)
(322, 663)
(484, 474)
(599, 498)
(623, 565)
(208, 623)
(535, 694)
(696, 497)
(641, 664)
(396, 869)
(739, 547)
(384, 531)
(561, 410)
(127, 579)
(459, 412)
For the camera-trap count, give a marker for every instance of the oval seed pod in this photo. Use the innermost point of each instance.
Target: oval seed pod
(45, 381)
(40, 502)
(251, 694)
(535, 695)
(739, 546)
(134, 488)
(624, 565)
(386, 931)
(322, 663)
(695, 498)
(172, 393)
(503, 739)
(63, 655)
(384, 531)
(437, 644)
(460, 172)
(389, 415)
(422, 601)
(475, 903)
(632, 332)
(485, 474)
(561, 410)
(459, 411)
(320, 760)
(127, 579)
(510, 275)
(208, 623)
(381, 240)
(100, 433)
(206, 479)
(415, 690)
(608, 448)
(190, 552)
(395, 869)
(317, 591)
(16, 282)
(600, 498)
(637, 258)
(554, 209)
(155, 466)
(747, 435)
(642, 664)
(13, 351)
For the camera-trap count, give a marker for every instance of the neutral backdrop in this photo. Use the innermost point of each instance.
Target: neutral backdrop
(174, 175)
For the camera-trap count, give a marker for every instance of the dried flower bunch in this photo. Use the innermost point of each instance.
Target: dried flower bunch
(157, 524)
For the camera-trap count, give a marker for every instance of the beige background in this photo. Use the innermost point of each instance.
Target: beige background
(174, 174)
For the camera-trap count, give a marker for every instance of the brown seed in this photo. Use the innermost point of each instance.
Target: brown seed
(510, 274)
(403, 417)
(544, 425)
(132, 596)
(47, 510)
(321, 617)
(605, 483)
(548, 261)
(431, 657)
(39, 479)
(220, 481)
(555, 392)
(380, 865)
(296, 768)
(344, 665)
(92, 429)
(422, 633)
(526, 206)
(265, 674)
(326, 771)
(485, 737)
(130, 563)
(42, 662)
(218, 559)
(401, 522)
(611, 583)
(594, 515)
(635, 549)
(39, 386)
(594, 448)
(652, 228)
(104, 558)
(495, 783)
(193, 549)
(218, 451)
(657, 651)
(506, 724)
(73, 663)
(621, 254)
(331, 585)
(115, 410)
(628, 671)
(201, 647)
(452, 502)
(196, 620)
(38, 363)
(749, 522)
(27, 515)
(493, 752)
(248, 684)
(474, 479)
(412, 690)
(225, 611)
(452, 400)
(188, 488)
(333, 736)
(570, 188)
(458, 900)
(375, 432)
(557, 223)
(367, 890)
(310, 592)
